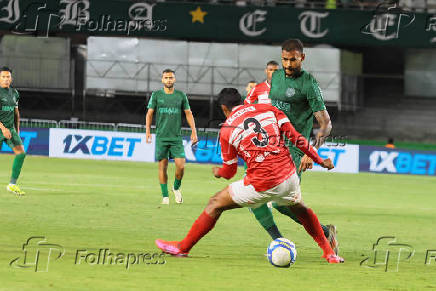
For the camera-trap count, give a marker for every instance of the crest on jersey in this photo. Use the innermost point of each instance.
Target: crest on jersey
(290, 92)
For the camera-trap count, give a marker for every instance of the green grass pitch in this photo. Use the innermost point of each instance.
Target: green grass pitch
(91, 205)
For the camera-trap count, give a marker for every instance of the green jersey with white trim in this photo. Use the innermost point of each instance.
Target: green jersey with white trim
(168, 109)
(8, 101)
(298, 98)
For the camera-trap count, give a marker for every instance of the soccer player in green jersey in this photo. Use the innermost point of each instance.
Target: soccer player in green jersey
(168, 104)
(298, 95)
(10, 126)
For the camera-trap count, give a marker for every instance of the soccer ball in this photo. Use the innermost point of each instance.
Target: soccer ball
(282, 253)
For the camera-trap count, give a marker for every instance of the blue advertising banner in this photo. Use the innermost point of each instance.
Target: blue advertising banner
(207, 151)
(35, 141)
(396, 161)
(100, 145)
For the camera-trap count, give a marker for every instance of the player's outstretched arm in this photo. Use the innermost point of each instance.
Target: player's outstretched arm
(191, 122)
(230, 158)
(323, 119)
(325, 124)
(148, 121)
(299, 140)
(17, 119)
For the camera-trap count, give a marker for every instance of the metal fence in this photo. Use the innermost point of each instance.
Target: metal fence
(122, 127)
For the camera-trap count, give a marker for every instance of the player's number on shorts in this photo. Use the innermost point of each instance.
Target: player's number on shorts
(257, 129)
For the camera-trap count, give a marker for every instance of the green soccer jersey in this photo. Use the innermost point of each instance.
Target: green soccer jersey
(8, 101)
(168, 109)
(298, 98)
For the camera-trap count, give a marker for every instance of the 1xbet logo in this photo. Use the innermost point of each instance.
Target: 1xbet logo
(100, 145)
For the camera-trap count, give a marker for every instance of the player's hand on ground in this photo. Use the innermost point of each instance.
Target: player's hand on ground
(6, 133)
(306, 163)
(328, 164)
(194, 138)
(215, 171)
(148, 137)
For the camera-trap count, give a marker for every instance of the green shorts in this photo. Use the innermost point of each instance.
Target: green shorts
(169, 149)
(14, 141)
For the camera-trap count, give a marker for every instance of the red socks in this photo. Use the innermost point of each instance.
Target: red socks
(312, 226)
(200, 228)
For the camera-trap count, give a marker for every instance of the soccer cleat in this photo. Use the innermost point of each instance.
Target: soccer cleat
(334, 259)
(165, 201)
(178, 196)
(170, 247)
(15, 189)
(332, 238)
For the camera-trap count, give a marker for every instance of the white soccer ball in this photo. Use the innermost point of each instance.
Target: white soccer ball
(282, 253)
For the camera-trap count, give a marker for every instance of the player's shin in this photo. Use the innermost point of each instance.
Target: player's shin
(16, 167)
(311, 225)
(265, 218)
(199, 228)
(286, 211)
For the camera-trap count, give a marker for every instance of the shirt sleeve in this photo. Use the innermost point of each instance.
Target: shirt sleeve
(314, 96)
(229, 155)
(185, 102)
(295, 137)
(152, 103)
(251, 97)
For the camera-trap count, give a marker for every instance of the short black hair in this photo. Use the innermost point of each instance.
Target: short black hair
(168, 71)
(292, 44)
(229, 97)
(7, 69)
(391, 140)
(252, 81)
(272, 63)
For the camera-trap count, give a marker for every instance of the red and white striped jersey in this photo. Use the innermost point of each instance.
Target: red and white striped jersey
(256, 134)
(260, 93)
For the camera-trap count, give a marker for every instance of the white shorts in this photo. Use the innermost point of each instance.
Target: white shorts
(286, 193)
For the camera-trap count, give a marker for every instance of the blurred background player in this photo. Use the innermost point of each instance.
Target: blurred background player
(390, 143)
(10, 126)
(259, 94)
(250, 85)
(168, 104)
(297, 94)
(256, 133)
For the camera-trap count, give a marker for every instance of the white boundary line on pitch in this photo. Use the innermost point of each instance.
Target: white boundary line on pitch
(88, 185)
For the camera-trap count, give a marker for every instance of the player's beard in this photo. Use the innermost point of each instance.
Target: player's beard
(294, 72)
(169, 86)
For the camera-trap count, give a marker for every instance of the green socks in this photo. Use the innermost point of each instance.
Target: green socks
(264, 216)
(285, 210)
(16, 167)
(177, 184)
(164, 189)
